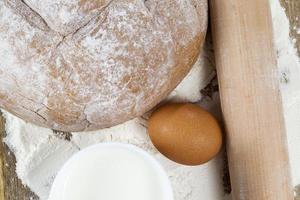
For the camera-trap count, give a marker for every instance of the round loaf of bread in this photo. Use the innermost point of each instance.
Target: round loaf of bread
(78, 65)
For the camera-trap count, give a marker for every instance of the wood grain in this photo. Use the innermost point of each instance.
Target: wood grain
(251, 103)
(12, 189)
(2, 152)
(293, 13)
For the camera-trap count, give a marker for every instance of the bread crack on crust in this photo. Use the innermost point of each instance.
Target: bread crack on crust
(66, 17)
(78, 65)
(32, 17)
(93, 18)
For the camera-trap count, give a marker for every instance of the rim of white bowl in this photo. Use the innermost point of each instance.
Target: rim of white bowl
(167, 188)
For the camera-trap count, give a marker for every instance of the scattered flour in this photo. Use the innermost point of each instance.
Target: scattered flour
(289, 67)
(40, 152)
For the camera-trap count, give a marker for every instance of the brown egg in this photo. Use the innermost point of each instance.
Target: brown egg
(185, 133)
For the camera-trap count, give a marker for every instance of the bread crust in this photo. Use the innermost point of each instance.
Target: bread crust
(83, 65)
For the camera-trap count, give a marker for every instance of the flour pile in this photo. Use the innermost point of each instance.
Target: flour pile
(289, 68)
(40, 152)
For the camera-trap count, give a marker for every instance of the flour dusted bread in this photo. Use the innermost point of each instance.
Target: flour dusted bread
(75, 65)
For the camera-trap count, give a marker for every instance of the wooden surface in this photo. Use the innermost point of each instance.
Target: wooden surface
(2, 152)
(251, 103)
(12, 189)
(293, 13)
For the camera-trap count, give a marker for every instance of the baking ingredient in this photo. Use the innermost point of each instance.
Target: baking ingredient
(185, 133)
(111, 171)
(289, 69)
(34, 146)
(39, 152)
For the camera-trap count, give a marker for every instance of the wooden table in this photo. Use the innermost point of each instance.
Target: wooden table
(293, 13)
(11, 187)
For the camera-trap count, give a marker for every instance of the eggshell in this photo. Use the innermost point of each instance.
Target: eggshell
(185, 133)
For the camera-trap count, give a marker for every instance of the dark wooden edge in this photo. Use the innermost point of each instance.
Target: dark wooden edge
(292, 9)
(11, 187)
(2, 130)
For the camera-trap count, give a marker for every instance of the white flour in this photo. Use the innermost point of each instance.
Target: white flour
(289, 67)
(40, 153)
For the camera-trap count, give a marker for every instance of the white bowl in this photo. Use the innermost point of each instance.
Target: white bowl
(111, 171)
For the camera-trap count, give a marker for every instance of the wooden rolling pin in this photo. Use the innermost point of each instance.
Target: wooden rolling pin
(251, 102)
